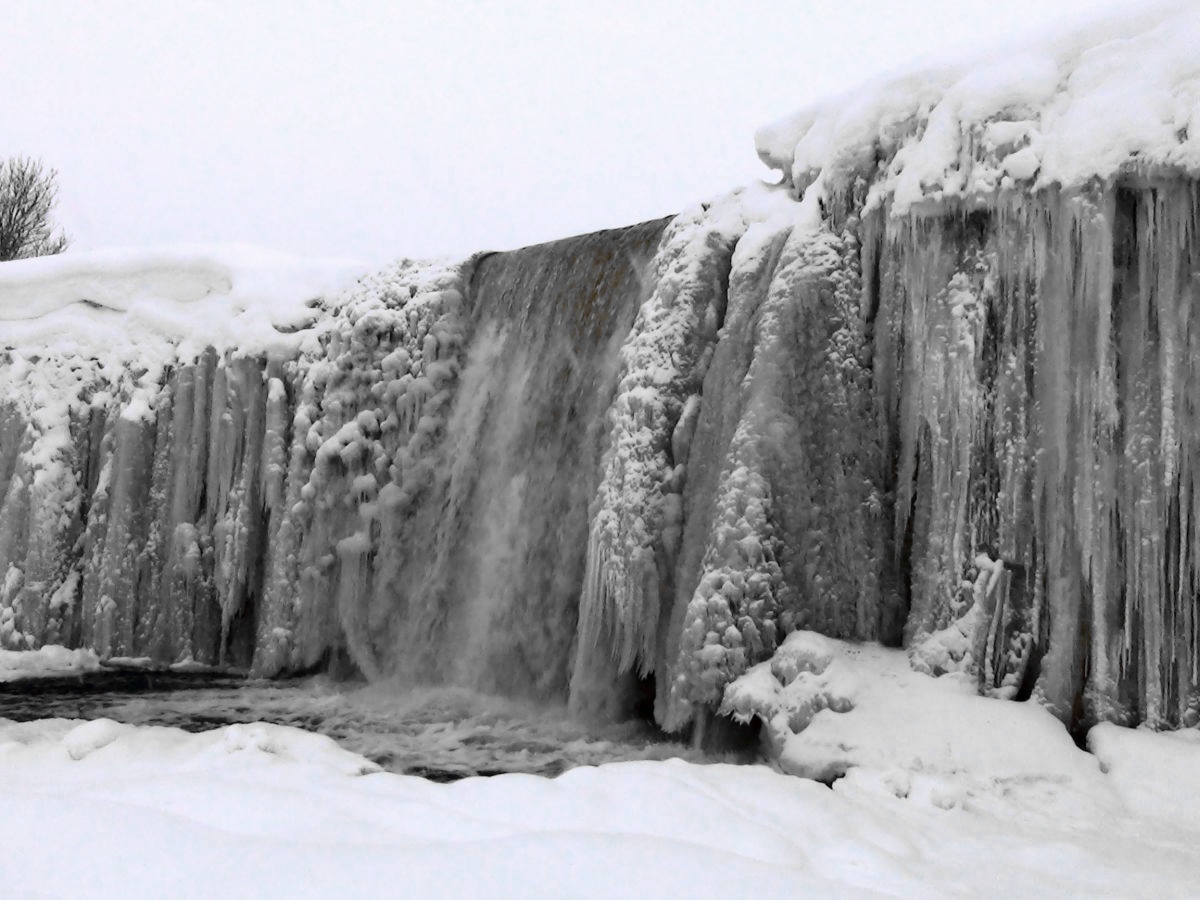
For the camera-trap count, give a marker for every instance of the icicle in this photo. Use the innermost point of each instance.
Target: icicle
(662, 364)
(791, 537)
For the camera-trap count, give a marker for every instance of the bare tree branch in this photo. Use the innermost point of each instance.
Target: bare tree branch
(27, 196)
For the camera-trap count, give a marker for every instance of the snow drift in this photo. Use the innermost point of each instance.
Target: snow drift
(297, 814)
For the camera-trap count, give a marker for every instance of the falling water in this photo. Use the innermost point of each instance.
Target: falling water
(478, 584)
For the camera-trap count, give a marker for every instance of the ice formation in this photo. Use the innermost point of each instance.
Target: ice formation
(934, 390)
(1117, 97)
(1030, 244)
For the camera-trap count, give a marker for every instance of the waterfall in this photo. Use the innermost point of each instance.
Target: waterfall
(478, 581)
(629, 463)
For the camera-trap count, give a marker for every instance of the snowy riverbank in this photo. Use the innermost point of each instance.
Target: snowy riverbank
(938, 792)
(104, 810)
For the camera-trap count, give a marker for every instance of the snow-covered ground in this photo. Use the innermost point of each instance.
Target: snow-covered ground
(989, 801)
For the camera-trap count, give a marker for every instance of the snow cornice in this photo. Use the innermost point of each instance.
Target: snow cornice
(1120, 99)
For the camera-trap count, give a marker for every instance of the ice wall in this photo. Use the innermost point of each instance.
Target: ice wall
(933, 389)
(1027, 226)
(628, 464)
(158, 500)
(1045, 361)
(403, 490)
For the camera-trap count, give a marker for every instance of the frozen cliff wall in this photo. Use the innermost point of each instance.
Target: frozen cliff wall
(1034, 366)
(144, 398)
(948, 399)
(1027, 232)
(933, 389)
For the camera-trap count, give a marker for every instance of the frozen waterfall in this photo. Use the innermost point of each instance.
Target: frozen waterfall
(935, 389)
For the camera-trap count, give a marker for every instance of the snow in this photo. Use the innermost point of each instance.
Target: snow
(47, 661)
(829, 707)
(193, 296)
(1157, 774)
(1121, 95)
(103, 809)
(938, 792)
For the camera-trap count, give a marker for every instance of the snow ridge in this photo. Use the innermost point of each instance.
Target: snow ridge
(1120, 97)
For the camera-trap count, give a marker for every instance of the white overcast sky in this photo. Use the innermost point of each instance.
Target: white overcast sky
(381, 129)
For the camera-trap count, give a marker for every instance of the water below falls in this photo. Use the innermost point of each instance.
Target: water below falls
(442, 734)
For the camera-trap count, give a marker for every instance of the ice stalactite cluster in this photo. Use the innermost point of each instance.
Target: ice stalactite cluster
(40, 518)
(178, 507)
(1081, 448)
(737, 500)
(1032, 363)
(366, 411)
(131, 505)
(636, 524)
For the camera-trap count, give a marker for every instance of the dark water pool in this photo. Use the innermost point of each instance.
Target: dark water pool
(438, 733)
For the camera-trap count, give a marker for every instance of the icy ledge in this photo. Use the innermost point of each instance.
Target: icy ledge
(186, 297)
(1121, 96)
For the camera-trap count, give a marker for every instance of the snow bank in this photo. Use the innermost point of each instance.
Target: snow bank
(259, 810)
(219, 296)
(109, 745)
(830, 707)
(1157, 774)
(1121, 95)
(49, 660)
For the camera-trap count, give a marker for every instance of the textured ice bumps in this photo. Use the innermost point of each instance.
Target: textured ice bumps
(965, 428)
(364, 411)
(736, 500)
